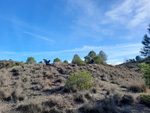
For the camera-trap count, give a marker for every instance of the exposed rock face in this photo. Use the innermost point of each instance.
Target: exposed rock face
(37, 88)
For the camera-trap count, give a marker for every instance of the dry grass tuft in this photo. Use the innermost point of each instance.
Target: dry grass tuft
(127, 99)
(80, 99)
(137, 88)
(30, 108)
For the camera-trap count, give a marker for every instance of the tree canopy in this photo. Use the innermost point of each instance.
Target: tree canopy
(65, 61)
(31, 60)
(103, 56)
(145, 51)
(57, 60)
(92, 54)
(77, 60)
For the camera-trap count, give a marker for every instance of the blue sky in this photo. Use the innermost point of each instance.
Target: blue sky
(62, 28)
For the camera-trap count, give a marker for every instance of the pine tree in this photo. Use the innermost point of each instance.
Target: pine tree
(103, 56)
(92, 54)
(145, 51)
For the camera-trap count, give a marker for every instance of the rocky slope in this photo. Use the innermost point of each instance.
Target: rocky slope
(37, 88)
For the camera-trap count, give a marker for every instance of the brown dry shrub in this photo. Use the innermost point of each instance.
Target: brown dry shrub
(18, 96)
(88, 96)
(72, 89)
(54, 110)
(137, 88)
(106, 105)
(30, 108)
(1, 81)
(53, 101)
(5, 95)
(80, 98)
(89, 108)
(127, 99)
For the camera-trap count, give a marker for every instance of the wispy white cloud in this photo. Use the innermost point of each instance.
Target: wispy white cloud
(131, 13)
(38, 36)
(21, 25)
(88, 19)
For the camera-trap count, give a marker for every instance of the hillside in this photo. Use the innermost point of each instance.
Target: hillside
(130, 66)
(37, 88)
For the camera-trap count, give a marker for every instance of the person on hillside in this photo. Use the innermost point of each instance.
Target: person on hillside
(47, 62)
(92, 61)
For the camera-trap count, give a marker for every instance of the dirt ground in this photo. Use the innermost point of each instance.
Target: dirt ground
(37, 88)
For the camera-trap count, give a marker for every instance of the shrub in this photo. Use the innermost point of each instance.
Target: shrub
(147, 60)
(137, 88)
(145, 68)
(138, 58)
(127, 99)
(57, 60)
(65, 61)
(82, 80)
(106, 105)
(87, 59)
(77, 60)
(80, 98)
(145, 99)
(31, 60)
(97, 60)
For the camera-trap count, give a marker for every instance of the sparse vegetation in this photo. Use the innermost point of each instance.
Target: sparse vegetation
(145, 68)
(97, 60)
(31, 60)
(81, 81)
(57, 60)
(65, 61)
(37, 88)
(137, 88)
(9, 64)
(87, 59)
(138, 58)
(77, 60)
(145, 99)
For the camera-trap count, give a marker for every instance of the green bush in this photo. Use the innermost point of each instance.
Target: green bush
(81, 81)
(31, 60)
(145, 99)
(65, 61)
(147, 60)
(77, 60)
(57, 60)
(97, 60)
(9, 65)
(87, 59)
(145, 68)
